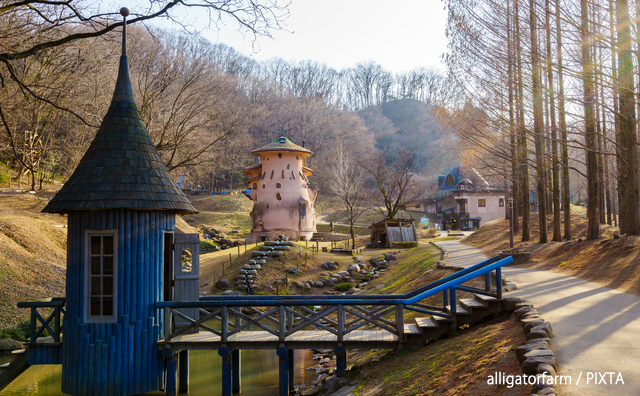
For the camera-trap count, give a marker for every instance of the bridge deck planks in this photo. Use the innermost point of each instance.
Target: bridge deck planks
(300, 340)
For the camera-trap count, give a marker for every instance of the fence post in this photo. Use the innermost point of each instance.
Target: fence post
(225, 324)
(33, 325)
(341, 320)
(453, 301)
(167, 324)
(499, 283)
(56, 329)
(283, 323)
(445, 298)
(487, 282)
(400, 322)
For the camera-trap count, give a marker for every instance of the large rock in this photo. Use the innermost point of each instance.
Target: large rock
(333, 384)
(293, 270)
(546, 327)
(345, 391)
(530, 365)
(509, 303)
(527, 321)
(328, 282)
(343, 273)
(330, 266)
(536, 334)
(530, 315)
(223, 284)
(9, 344)
(546, 369)
(522, 350)
(319, 283)
(520, 312)
(531, 323)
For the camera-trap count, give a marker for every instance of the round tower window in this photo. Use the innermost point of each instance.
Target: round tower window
(279, 155)
(255, 186)
(296, 157)
(278, 185)
(264, 186)
(279, 197)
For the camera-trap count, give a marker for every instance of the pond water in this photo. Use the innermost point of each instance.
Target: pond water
(259, 375)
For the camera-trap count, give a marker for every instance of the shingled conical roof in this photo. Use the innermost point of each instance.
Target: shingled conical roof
(122, 168)
(282, 144)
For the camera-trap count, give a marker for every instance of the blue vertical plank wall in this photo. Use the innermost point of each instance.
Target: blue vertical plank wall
(116, 358)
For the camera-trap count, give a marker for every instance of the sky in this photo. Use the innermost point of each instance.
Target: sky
(399, 35)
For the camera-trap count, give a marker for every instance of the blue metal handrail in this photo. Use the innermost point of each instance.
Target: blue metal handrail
(405, 299)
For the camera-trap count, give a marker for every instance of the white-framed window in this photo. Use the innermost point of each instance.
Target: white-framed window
(101, 276)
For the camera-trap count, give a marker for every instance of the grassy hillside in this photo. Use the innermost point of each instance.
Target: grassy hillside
(32, 255)
(225, 213)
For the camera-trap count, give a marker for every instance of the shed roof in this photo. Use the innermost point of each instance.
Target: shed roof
(282, 144)
(122, 168)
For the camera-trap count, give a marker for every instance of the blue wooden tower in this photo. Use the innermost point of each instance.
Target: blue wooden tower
(121, 204)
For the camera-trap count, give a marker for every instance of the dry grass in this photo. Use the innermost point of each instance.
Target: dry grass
(225, 213)
(456, 366)
(32, 255)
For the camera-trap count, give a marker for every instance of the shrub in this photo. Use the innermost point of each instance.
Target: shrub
(19, 333)
(405, 245)
(206, 247)
(343, 287)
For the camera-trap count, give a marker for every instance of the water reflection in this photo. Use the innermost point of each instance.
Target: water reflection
(259, 370)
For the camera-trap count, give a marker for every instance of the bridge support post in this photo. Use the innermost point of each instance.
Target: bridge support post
(291, 367)
(236, 358)
(227, 388)
(171, 385)
(283, 353)
(341, 361)
(183, 373)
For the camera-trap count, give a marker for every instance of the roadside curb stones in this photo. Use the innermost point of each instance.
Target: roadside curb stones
(535, 356)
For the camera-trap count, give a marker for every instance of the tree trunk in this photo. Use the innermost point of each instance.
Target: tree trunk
(557, 234)
(515, 188)
(522, 138)
(591, 144)
(628, 167)
(538, 123)
(566, 204)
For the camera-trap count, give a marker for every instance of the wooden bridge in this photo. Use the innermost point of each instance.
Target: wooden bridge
(229, 324)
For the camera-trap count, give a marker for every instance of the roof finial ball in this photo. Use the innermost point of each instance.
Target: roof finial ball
(124, 11)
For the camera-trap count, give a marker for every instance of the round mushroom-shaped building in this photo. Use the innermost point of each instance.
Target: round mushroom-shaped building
(283, 199)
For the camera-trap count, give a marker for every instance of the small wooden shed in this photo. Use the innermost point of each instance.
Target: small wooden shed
(385, 232)
(121, 204)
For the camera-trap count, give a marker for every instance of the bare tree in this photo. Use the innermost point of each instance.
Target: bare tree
(347, 184)
(393, 179)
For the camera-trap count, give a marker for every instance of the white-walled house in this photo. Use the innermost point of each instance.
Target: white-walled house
(465, 200)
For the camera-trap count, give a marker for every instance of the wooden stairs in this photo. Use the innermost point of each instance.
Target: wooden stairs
(468, 310)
